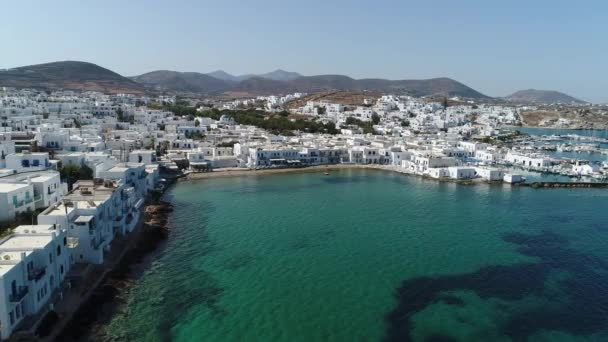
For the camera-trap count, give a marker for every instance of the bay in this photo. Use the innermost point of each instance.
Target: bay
(370, 255)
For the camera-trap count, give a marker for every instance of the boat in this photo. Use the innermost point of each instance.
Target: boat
(326, 173)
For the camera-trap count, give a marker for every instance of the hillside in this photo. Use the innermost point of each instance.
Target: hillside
(324, 83)
(280, 75)
(346, 98)
(534, 96)
(68, 75)
(88, 76)
(222, 75)
(182, 82)
(277, 75)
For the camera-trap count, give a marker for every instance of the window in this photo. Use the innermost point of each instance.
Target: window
(58, 250)
(12, 317)
(51, 258)
(65, 240)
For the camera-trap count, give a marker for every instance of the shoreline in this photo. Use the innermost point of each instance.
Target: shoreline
(94, 299)
(233, 172)
(238, 172)
(100, 300)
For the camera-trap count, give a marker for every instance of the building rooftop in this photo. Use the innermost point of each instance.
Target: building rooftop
(83, 219)
(9, 187)
(26, 241)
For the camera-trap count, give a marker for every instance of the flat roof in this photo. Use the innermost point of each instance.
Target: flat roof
(25, 241)
(38, 228)
(43, 178)
(8, 187)
(117, 169)
(83, 219)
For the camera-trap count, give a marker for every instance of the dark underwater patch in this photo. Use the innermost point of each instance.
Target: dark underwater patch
(583, 312)
(452, 300)
(439, 338)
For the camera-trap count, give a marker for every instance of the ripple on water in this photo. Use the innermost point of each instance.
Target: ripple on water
(367, 255)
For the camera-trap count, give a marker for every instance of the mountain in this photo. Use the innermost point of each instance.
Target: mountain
(222, 75)
(435, 86)
(68, 75)
(542, 97)
(282, 82)
(183, 82)
(280, 75)
(88, 76)
(277, 75)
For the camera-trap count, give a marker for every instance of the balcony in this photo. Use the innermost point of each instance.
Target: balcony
(19, 295)
(72, 242)
(36, 274)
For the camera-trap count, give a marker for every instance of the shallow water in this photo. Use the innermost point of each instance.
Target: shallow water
(369, 255)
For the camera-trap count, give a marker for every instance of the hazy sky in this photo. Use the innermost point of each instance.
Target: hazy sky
(496, 48)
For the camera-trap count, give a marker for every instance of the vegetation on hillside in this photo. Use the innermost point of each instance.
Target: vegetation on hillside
(277, 123)
(366, 126)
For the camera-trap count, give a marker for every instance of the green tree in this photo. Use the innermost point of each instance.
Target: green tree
(375, 119)
(120, 115)
(72, 173)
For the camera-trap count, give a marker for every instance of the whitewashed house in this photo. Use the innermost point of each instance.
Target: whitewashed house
(34, 261)
(26, 161)
(15, 198)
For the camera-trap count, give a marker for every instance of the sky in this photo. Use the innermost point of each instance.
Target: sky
(494, 47)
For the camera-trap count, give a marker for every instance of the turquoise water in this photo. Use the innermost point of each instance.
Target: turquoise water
(363, 255)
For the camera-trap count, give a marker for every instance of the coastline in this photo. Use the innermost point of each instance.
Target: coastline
(238, 172)
(233, 172)
(96, 296)
(227, 173)
(97, 303)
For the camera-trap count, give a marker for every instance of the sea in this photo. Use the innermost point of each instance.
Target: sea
(372, 255)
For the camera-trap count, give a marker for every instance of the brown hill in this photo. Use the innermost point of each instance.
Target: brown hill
(69, 75)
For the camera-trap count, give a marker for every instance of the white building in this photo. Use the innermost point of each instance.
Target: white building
(142, 156)
(462, 172)
(34, 261)
(490, 174)
(25, 162)
(15, 198)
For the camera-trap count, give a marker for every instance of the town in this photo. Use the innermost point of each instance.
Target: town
(77, 168)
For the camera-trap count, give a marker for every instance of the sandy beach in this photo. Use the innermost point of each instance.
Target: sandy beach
(237, 172)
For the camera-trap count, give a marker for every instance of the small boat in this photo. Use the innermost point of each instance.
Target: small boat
(326, 173)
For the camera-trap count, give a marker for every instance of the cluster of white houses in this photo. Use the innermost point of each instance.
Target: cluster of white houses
(124, 144)
(72, 227)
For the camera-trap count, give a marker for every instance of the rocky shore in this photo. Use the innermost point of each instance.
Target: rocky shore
(104, 299)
